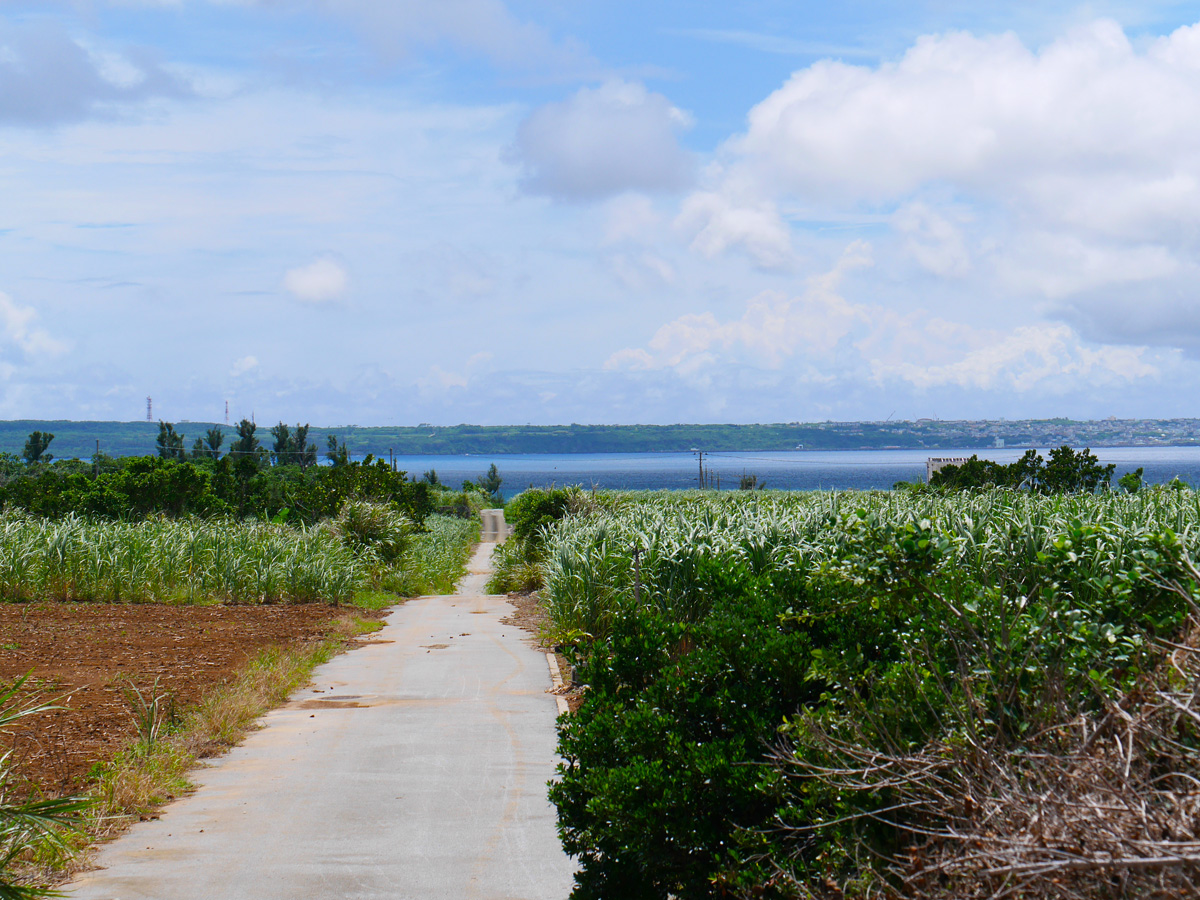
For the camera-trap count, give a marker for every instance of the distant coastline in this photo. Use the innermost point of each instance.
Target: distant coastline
(78, 438)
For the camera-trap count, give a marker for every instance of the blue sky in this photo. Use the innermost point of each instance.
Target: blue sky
(367, 212)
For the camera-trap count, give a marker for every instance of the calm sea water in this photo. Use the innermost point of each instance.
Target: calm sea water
(786, 470)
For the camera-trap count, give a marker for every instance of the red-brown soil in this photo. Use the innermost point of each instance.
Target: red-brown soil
(80, 654)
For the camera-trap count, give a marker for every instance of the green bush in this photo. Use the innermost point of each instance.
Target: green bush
(531, 511)
(372, 527)
(134, 488)
(991, 621)
(656, 796)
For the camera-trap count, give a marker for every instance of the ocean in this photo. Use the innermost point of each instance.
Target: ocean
(799, 470)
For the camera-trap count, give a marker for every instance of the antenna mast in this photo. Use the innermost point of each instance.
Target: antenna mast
(226, 412)
(149, 410)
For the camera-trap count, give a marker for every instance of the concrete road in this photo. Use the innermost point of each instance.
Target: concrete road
(414, 767)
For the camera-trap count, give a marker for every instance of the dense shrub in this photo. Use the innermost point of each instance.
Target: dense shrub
(518, 561)
(136, 487)
(655, 797)
(910, 628)
(531, 511)
(370, 527)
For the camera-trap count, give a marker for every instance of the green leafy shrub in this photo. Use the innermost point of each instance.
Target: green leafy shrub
(656, 798)
(135, 488)
(531, 511)
(372, 527)
(903, 625)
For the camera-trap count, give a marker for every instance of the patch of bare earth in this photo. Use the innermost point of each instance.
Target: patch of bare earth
(84, 655)
(529, 614)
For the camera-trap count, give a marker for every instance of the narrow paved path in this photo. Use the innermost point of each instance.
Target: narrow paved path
(414, 767)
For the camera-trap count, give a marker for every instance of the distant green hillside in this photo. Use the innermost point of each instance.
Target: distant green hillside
(134, 438)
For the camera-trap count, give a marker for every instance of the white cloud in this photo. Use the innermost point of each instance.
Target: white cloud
(715, 223)
(603, 141)
(1023, 360)
(641, 271)
(487, 27)
(47, 77)
(17, 324)
(934, 239)
(821, 337)
(243, 365)
(439, 380)
(320, 281)
(1065, 172)
(983, 112)
(772, 329)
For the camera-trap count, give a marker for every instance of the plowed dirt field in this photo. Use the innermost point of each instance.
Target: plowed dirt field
(80, 654)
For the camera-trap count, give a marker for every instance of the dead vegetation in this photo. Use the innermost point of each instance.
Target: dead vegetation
(1105, 804)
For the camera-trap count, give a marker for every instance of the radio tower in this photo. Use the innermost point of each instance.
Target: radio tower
(149, 410)
(226, 412)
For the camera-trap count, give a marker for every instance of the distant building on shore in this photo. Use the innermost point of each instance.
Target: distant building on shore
(936, 463)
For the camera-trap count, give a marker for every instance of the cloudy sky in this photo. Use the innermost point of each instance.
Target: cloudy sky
(550, 211)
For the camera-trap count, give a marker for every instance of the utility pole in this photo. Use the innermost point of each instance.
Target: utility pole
(700, 457)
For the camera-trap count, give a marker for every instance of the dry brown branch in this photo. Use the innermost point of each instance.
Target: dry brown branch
(1104, 805)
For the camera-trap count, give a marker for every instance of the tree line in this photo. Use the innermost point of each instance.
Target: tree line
(289, 446)
(281, 481)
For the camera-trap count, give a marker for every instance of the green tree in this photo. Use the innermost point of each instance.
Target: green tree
(306, 453)
(750, 483)
(247, 445)
(35, 447)
(1068, 471)
(490, 483)
(169, 442)
(292, 447)
(213, 438)
(284, 446)
(337, 453)
(1132, 481)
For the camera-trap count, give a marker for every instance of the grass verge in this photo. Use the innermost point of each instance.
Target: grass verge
(154, 770)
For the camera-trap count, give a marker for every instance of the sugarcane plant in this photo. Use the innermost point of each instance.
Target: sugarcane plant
(30, 828)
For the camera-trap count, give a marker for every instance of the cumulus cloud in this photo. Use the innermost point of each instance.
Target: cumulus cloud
(1022, 360)
(972, 110)
(821, 337)
(47, 77)
(716, 222)
(772, 329)
(603, 141)
(320, 281)
(17, 323)
(1070, 170)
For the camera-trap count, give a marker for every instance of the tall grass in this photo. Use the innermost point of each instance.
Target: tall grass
(435, 559)
(1001, 536)
(180, 561)
(224, 561)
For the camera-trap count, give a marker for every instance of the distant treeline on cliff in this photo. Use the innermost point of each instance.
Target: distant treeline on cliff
(78, 439)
